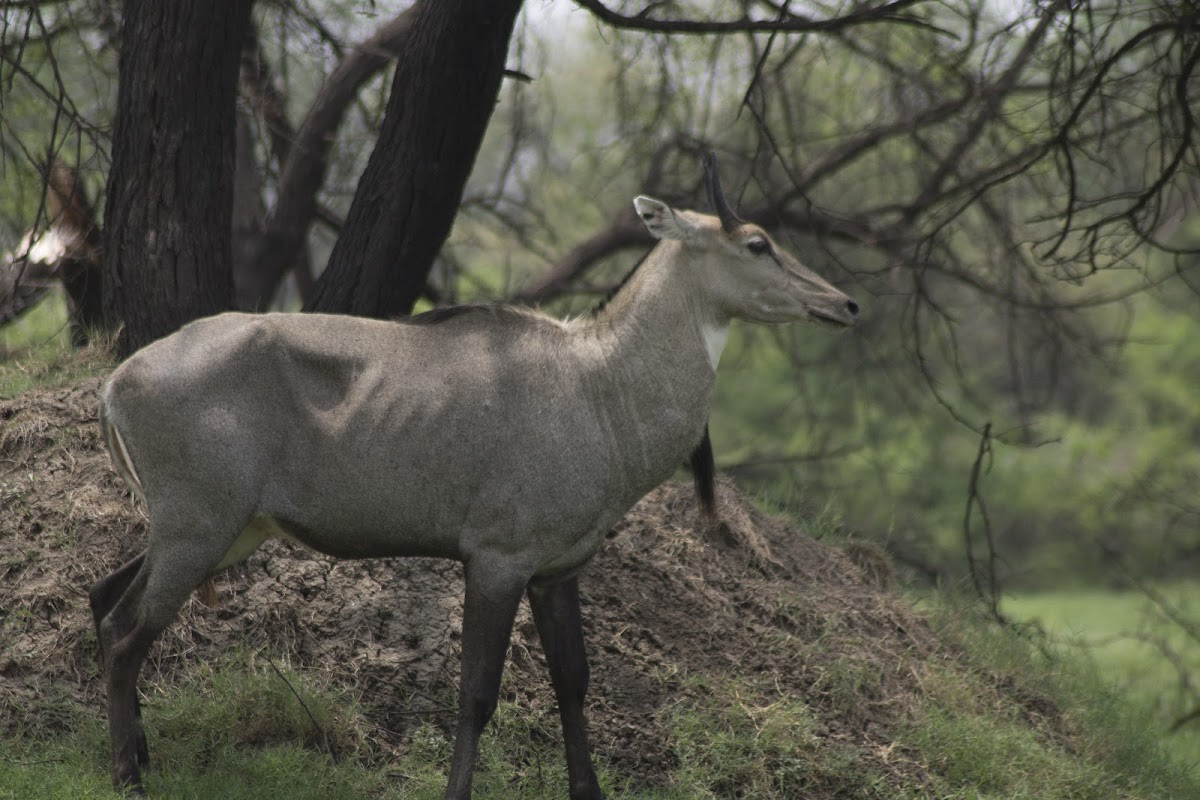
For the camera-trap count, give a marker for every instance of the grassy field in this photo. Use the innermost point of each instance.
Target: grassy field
(239, 729)
(1135, 646)
(36, 350)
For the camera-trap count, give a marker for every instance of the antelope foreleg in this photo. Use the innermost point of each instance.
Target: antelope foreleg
(488, 614)
(560, 626)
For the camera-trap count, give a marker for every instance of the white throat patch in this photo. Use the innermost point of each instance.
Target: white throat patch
(714, 340)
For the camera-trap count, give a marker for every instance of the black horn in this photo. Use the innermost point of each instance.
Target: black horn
(716, 197)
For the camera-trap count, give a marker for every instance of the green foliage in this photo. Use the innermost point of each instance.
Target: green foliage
(42, 329)
(1106, 472)
(52, 106)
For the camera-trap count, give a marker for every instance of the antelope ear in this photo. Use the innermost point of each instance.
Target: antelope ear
(662, 221)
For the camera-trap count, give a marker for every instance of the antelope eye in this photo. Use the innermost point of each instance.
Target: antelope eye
(758, 246)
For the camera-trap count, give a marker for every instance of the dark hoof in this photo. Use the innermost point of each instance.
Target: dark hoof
(587, 791)
(129, 782)
(143, 751)
(132, 789)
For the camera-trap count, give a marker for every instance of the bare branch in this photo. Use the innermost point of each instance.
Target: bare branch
(303, 171)
(258, 79)
(786, 21)
(627, 231)
(989, 107)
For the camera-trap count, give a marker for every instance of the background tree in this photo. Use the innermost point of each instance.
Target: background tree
(443, 93)
(169, 202)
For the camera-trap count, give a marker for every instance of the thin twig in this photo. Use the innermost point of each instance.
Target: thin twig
(975, 500)
(307, 710)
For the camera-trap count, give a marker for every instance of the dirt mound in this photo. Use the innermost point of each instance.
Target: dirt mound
(669, 597)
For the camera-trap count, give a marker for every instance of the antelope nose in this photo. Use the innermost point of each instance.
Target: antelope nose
(852, 308)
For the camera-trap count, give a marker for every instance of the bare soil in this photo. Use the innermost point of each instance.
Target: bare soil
(668, 599)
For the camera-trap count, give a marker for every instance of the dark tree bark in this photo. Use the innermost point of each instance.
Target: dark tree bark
(250, 293)
(170, 190)
(446, 84)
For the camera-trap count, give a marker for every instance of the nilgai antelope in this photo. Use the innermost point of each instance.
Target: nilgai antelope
(497, 436)
(66, 252)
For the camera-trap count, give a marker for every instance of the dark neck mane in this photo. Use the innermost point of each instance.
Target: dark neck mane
(621, 283)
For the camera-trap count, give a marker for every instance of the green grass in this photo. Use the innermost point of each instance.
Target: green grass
(36, 350)
(737, 738)
(77, 767)
(986, 757)
(1135, 647)
(1027, 719)
(241, 730)
(1000, 720)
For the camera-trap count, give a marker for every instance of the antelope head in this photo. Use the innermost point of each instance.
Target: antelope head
(740, 268)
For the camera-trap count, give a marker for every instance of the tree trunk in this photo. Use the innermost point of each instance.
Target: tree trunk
(446, 84)
(170, 190)
(252, 290)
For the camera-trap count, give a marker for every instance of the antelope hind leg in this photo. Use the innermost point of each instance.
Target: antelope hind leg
(175, 563)
(105, 593)
(103, 598)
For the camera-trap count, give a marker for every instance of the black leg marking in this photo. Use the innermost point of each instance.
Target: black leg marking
(488, 615)
(103, 598)
(105, 593)
(560, 626)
